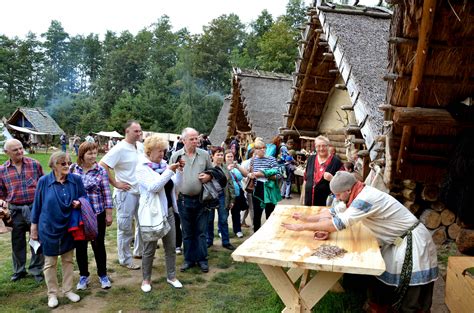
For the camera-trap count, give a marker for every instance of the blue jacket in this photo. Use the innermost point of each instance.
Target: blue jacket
(52, 210)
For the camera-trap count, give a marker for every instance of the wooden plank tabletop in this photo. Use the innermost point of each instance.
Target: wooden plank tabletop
(274, 245)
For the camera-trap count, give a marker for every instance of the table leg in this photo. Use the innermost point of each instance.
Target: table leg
(318, 287)
(285, 289)
(294, 273)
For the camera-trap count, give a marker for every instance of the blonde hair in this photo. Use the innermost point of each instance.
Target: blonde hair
(258, 143)
(154, 141)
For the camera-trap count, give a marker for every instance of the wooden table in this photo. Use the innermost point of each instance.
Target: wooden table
(274, 249)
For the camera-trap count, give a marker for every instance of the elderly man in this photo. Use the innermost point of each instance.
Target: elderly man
(18, 178)
(192, 213)
(406, 245)
(122, 160)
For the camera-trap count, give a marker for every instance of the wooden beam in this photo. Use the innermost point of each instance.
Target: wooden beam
(334, 71)
(314, 76)
(451, 80)
(294, 132)
(340, 86)
(321, 92)
(347, 107)
(352, 130)
(426, 27)
(427, 158)
(424, 116)
(355, 12)
(435, 45)
(309, 67)
(358, 141)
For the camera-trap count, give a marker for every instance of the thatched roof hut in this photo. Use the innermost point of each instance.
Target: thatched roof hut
(34, 119)
(258, 102)
(348, 44)
(219, 131)
(431, 70)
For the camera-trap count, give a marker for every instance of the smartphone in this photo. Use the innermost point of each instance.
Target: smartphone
(178, 158)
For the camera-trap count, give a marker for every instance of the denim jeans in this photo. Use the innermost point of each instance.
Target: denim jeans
(222, 226)
(193, 224)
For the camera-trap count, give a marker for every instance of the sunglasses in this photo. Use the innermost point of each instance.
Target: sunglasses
(65, 163)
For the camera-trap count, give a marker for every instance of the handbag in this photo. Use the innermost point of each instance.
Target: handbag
(249, 183)
(152, 224)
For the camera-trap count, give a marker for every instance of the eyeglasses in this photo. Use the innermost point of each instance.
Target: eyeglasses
(65, 163)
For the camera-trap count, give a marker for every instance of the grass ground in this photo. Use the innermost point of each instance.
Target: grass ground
(228, 287)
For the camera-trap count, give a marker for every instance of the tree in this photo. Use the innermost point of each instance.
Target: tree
(278, 49)
(295, 13)
(214, 50)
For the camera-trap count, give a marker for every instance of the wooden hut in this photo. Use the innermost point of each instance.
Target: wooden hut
(219, 131)
(258, 102)
(33, 126)
(431, 70)
(338, 84)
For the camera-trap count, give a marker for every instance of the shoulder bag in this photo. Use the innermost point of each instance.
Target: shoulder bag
(249, 183)
(152, 224)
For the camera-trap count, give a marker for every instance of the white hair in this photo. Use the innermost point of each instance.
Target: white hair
(9, 142)
(186, 131)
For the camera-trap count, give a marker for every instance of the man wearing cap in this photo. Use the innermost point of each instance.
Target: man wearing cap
(406, 245)
(18, 179)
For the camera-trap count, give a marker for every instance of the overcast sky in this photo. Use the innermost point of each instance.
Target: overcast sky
(17, 17)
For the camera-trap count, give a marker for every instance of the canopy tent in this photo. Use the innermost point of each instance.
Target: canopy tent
(165, 136)
(112, 134)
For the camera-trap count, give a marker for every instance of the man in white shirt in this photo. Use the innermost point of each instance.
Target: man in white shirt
(122, 160)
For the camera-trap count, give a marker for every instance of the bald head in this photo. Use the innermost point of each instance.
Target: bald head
(10, 143)
(190, 139)
(14, 149)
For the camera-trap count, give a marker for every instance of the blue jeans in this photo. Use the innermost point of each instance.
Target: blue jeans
(222, 226)
(193, 223)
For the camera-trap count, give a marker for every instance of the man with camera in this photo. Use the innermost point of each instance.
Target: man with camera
(192, 212)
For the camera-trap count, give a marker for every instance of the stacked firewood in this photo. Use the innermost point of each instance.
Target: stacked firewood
(422, 200)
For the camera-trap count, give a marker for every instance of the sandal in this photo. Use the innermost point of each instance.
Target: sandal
(131, 266)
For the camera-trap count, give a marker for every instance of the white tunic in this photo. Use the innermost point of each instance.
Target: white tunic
(388, 219)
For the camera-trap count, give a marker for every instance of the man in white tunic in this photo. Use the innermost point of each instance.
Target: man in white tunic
(406, 245)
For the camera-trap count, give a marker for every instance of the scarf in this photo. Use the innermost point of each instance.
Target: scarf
(355, 190)
(158, 167)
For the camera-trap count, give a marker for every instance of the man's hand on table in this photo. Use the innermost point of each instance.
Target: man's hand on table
(295, 227)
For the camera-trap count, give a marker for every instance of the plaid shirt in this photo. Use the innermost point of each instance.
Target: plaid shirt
(96, 183)
(19, 188)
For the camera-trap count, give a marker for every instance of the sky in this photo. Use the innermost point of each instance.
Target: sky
(17, 17)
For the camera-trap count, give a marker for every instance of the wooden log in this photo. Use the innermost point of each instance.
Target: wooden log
(439, 235)
(336, 137)
(423, 116)
(430, 193)
(412, 206)
(409, 194)
(409, 184)
(431, 219)
(447, 217)
(465, 241)
(453, 231)
(437, 206)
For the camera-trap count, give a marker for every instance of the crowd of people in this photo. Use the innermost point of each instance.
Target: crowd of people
(173, 194)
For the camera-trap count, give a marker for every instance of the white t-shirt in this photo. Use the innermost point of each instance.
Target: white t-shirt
(123, 159)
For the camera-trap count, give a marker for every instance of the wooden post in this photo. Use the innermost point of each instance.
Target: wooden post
(417, 73)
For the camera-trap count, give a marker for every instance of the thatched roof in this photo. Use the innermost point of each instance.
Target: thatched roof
(258, 102)
(36, 119)
(431, 68)
(347, 43)
(219, 131)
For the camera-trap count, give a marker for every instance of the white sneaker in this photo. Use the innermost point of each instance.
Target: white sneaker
(240, 234)
(72, 296)
(53, 301)
(179, 251)
(220, 235)
(175, 284)
(146, 287)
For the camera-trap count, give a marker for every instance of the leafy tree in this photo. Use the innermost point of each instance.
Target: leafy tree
(278, 49)
(295, 13)
(214, 49)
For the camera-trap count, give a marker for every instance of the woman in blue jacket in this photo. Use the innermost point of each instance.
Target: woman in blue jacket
(57, 195)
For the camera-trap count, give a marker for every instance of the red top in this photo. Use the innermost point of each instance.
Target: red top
(19, 188)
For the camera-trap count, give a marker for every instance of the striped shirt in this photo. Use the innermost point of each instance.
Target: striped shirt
(96, 183)
(19, 188)
(260, 164)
